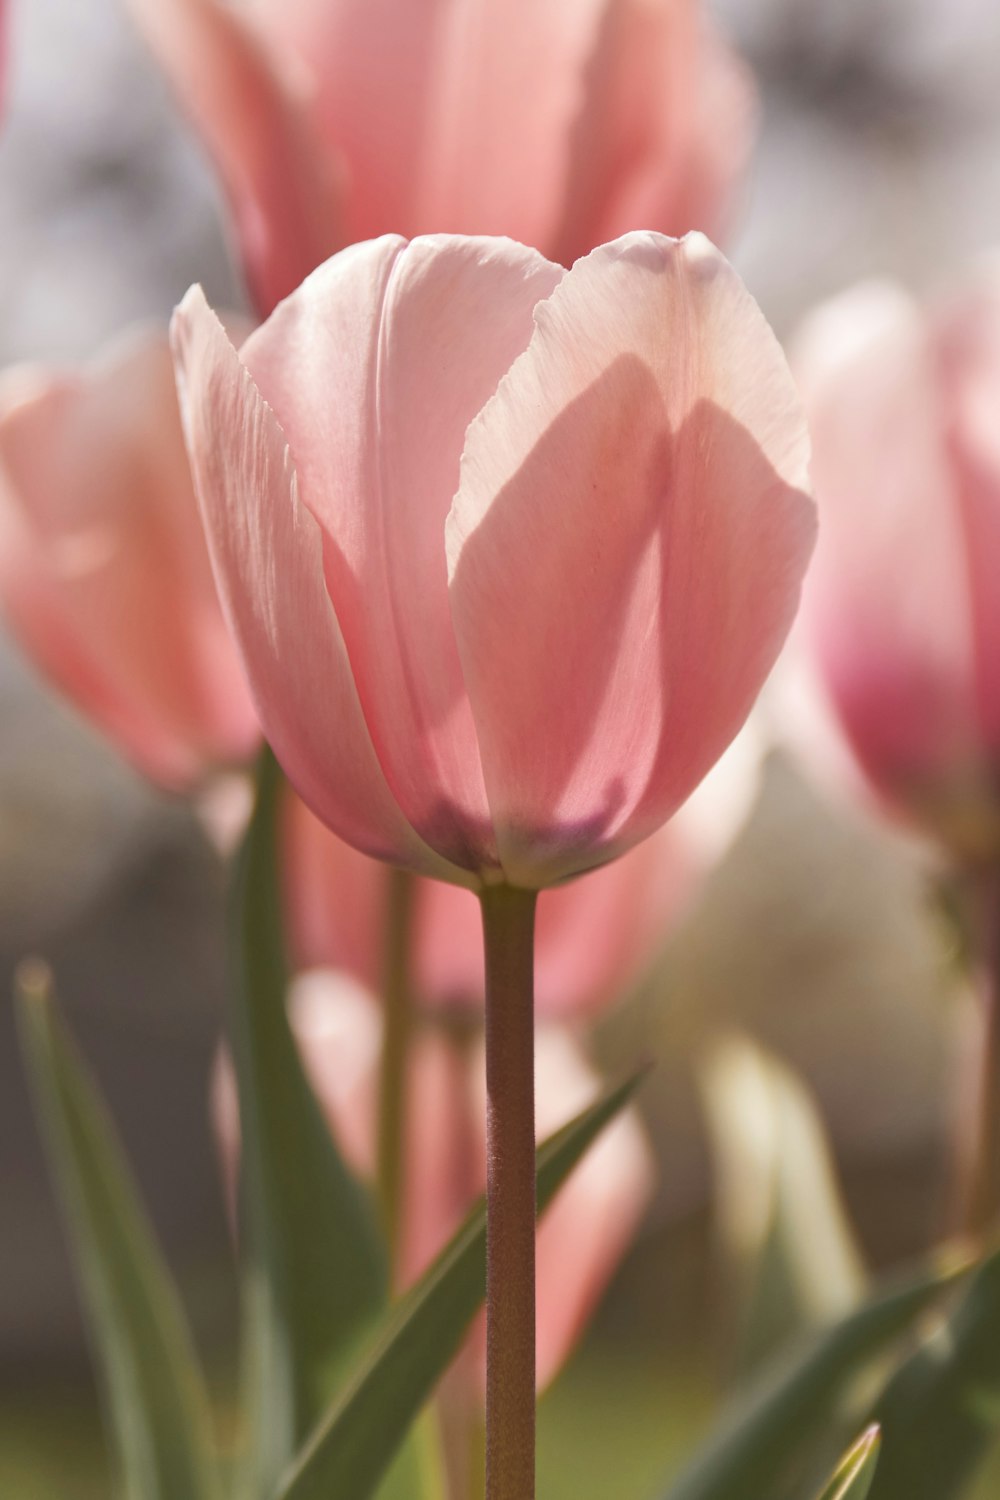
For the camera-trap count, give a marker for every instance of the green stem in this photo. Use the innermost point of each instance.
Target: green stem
(984, 1197)
(397, 1000)
(508, 930)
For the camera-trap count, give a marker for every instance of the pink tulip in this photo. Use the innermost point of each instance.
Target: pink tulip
(582, 1237)
(593, 936)
(104, 574)
(508, 550)
(560, 122)
(902, 611)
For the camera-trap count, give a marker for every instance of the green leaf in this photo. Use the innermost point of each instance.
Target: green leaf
(856, 1470)
(355, 1444)
(753, 1449)
(155, 1400)
(316, 1275)
(940, 1412)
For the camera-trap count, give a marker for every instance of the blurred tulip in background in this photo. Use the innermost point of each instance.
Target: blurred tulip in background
(901, 613)
(562, 123)
(104, 574)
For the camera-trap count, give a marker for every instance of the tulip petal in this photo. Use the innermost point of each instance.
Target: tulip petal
(665, 131)
(282, 182)
(371, 64)
(897, 660)
(452, 116)
(335, 899)
(509, 89)
(267, 551)
(104, 573)
(969, 361)
(374, 370)
(625, 549)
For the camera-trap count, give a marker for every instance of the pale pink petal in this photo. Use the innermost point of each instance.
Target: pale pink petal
(887, 609)
(374, 369)
(104, 573)
(724, 130)
(968, 352)
(446, 1159)
(335, 898)
(507, 89)
(267, 552)
(665, 132)
(280, 178)
(449, 957)
(625, 549)
(371, 63)
(453, 117)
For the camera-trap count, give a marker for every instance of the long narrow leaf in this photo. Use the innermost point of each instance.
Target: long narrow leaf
(752, 1450)
(353, 1447)
(156, 1404)
(856, 1470)
(316, 1278)
(940, 1412)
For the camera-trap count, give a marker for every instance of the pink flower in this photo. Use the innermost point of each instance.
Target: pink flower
(902, 613)
(589, 1226)
(562, 123)
(508, 550)
(593, 936)
(104, 574)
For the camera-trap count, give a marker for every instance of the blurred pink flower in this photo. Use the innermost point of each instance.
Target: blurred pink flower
(561, 123)
(583, 1235)
(902, 605)
(104, 573)
(508, 550)
(593, 936)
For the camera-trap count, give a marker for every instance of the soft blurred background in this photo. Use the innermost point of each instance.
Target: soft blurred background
(879, 151)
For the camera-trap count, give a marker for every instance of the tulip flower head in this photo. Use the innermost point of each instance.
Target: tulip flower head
(104, 574)
(508, 550)
(332, 121)
(902, 610)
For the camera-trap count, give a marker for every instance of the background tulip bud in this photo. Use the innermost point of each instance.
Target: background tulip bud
(631, 113)
(104, 574)
(902, 611)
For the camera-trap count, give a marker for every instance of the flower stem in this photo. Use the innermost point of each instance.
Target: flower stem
(983, 1210)
(508, 929)
(397, 1000)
